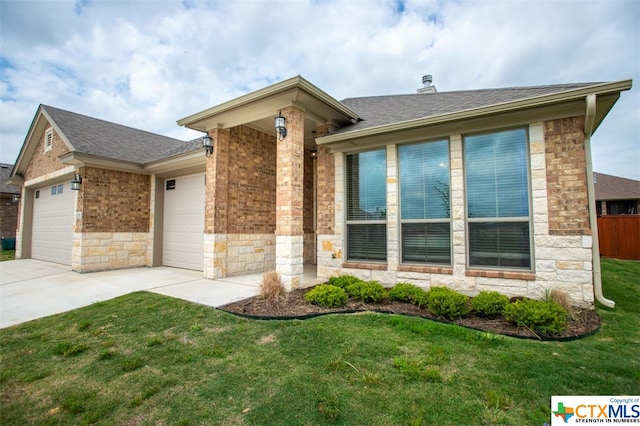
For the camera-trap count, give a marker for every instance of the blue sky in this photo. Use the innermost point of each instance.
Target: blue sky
(148, 63)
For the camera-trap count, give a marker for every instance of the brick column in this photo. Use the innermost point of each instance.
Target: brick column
(216, 206)
(289, 200)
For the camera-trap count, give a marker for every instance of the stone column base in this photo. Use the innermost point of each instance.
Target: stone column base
(289, 260)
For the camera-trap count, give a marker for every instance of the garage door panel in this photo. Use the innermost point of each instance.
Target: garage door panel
(183, 228)
(53, 218)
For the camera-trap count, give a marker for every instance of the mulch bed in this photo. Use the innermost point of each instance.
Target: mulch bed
(293, 306)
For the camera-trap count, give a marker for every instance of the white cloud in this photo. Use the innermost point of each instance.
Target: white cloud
(147, 64)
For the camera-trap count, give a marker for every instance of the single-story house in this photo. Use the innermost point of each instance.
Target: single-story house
(8, 208)
(616, 195)
(475, 190)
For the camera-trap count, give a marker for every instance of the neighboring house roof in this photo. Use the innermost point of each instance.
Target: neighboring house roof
(5, 174)
(381, 110)
(609, 187)
(88, 135)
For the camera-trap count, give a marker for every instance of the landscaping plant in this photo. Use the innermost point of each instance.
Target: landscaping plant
(408, 293)
(327, 296)
(489, 304)
(546, 318)
(447, 303)
(271, 286)
(367, 291)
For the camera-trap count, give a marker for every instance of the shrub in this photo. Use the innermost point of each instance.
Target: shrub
(327, 296)
(271, 286)
(367, 291)
(547, 318)
(489, 304)
(409, 293)
(344, 281)
(446, 303)
(561, 297)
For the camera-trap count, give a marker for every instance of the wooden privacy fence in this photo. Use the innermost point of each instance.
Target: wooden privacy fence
(619, 236)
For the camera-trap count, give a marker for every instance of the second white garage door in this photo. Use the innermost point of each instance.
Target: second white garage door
(53, 214)
(183, 242)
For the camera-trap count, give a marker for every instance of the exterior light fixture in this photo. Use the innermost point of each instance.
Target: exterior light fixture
(207, 144)
(314, 150)
(280, 129)
(16, 197)
(76, 182)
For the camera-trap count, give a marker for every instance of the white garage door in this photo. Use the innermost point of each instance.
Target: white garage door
(53, 214)
(183, 242)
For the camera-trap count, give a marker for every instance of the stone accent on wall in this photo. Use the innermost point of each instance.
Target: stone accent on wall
(289, 263)
(99, 251)
(566, 177)
(113, 201)
(235, 254)
(562, 260)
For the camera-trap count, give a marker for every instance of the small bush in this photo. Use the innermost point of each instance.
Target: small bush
(561, 297)
(327, 296)
(409, 293)
(489, 304)
(344, 281)
(546, 318)
(367, 291)
(271, 286)
(446, 303)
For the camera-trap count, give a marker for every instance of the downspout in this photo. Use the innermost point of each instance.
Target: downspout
(589, 121)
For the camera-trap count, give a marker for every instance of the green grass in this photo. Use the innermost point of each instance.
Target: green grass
(149, 359)
(7, 255)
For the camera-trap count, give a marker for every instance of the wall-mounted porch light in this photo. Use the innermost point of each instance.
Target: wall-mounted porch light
(281, 130)
(314, 150)
(16, 197)
(207, 144)
(76, 182)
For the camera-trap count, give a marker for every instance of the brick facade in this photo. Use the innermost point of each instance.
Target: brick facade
(566, 177)
(43, 163)
(113, 201)
(8, 217)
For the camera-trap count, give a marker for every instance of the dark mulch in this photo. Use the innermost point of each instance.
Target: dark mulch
(293, 305)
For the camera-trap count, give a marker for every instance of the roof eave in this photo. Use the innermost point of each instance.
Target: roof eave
(295, 83)
(537, 101)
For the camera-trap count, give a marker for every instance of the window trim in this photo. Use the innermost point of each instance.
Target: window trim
(347, 222)
(528, 219)
(401, 221)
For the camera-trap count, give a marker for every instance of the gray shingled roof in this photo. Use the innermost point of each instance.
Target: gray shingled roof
(5, 174)
(609, 187)
(381, 110)
(90, 135)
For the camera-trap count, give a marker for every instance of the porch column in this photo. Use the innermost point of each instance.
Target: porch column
(289, 200)
(216, 206)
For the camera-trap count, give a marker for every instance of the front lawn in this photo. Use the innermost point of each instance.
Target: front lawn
(150, 359)
(7, 255)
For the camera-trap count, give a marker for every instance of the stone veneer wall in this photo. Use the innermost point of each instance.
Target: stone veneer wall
(99, 251)
(234, 254)
(561, 261)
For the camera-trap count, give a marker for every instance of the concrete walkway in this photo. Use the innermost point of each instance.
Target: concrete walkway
(31, 289)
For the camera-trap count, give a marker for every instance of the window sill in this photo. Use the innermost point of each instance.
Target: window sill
(364, 265)
(426, 269)
(509, 275)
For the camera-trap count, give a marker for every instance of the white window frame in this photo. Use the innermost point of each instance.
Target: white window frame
(424, 221)
(528, 218)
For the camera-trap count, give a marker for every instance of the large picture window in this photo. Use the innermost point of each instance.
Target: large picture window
(498, 211)
(366, 202)
(425, 207)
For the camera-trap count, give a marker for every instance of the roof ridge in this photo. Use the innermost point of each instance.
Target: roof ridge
(544, 86)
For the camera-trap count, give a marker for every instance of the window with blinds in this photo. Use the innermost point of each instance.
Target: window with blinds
(497, 188)
(366, 202)
(425, 206)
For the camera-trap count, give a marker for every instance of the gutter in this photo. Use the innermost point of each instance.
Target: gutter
(589, 122)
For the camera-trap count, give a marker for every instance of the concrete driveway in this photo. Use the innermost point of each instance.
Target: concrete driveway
(31, 289)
